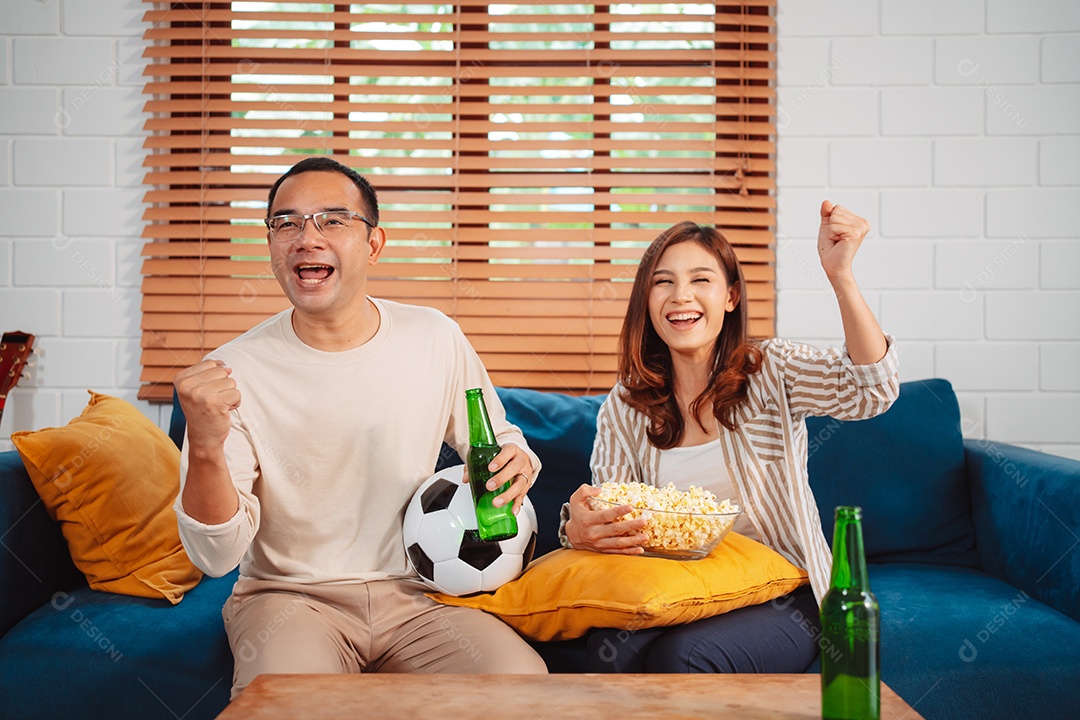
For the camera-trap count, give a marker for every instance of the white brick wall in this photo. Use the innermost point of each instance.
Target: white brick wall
(35, 60)
(932, 17)
(65, 262)
(102, 111)
(953, 126)
(981, 265)
(110, 18)
(29, 212)
(1042, 315)
(931, 111)
(1061, 59)
(875, 163)
(1060, 266)
(877, 60)
(965, 155)
(71, 192)
(931, 213)
(975, 368)
(1059, 161)
(1032, 16)
(1032, 110)
(806, 163)
(5, 263)
(62, 161)
(4, 74)
(816, 110)
(36, 18)
(979, 162)
(1045, 212)
(1057, 366)
(26, 110)
(965, 60)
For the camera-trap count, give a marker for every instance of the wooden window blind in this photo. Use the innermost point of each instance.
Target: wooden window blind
(525, 154)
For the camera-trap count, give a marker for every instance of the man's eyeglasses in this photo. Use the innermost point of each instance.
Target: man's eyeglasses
(289, 227)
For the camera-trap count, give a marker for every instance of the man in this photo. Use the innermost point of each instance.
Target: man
(306, 438)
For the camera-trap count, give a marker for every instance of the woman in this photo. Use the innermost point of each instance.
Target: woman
(696, 403)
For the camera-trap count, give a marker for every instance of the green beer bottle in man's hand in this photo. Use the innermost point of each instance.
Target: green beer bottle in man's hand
(493, 523)
(850, 629)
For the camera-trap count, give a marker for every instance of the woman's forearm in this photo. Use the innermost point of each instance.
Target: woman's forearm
(863, 336)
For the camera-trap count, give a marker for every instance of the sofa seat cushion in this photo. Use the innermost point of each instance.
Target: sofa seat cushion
(563, 656)
(953, 637)
(101, 654)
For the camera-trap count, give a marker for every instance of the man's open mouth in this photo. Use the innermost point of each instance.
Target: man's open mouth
(313, 273)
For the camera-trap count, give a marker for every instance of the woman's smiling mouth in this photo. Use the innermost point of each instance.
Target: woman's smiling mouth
(683, 319)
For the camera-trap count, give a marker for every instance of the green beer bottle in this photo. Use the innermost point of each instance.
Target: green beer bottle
(493, 523)
(850, 629)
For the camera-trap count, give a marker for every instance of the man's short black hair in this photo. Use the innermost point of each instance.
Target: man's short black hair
(327, 164)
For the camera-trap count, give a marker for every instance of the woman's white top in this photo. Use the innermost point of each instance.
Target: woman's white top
(703, 466)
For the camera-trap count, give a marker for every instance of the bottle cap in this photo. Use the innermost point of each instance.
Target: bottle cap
(848, 512)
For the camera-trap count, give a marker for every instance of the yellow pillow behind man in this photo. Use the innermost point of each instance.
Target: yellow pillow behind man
(109, 477)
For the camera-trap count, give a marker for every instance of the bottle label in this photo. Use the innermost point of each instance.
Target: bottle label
(493, 523)
(855, 629)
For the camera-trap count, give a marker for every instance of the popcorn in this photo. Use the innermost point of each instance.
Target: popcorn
(670, 533)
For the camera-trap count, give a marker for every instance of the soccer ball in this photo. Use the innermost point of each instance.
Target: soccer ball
(444, 548)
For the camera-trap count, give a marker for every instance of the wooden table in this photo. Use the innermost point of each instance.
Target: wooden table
(540, 697)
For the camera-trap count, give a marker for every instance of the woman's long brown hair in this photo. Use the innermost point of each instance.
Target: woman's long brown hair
(644, 359)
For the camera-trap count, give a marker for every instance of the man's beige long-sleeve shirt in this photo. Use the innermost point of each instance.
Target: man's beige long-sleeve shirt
(327, 448)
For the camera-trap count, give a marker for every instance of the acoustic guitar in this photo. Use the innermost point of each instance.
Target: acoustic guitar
(15, 348)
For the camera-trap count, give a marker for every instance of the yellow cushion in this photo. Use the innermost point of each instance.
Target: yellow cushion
(109, 478)
(566, 592)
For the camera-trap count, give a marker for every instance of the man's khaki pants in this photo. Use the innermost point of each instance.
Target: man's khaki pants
(381, 626)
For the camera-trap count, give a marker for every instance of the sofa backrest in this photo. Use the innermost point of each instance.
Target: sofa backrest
(177, 421)
(560, 430)
(34, 560)
(905, 468)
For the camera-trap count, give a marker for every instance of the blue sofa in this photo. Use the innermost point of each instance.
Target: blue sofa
(974, 549)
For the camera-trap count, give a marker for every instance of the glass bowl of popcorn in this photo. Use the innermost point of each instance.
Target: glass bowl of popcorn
(683, 524)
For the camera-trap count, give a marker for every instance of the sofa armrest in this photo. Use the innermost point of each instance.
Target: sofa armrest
(34, 559)
(1025, 506)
